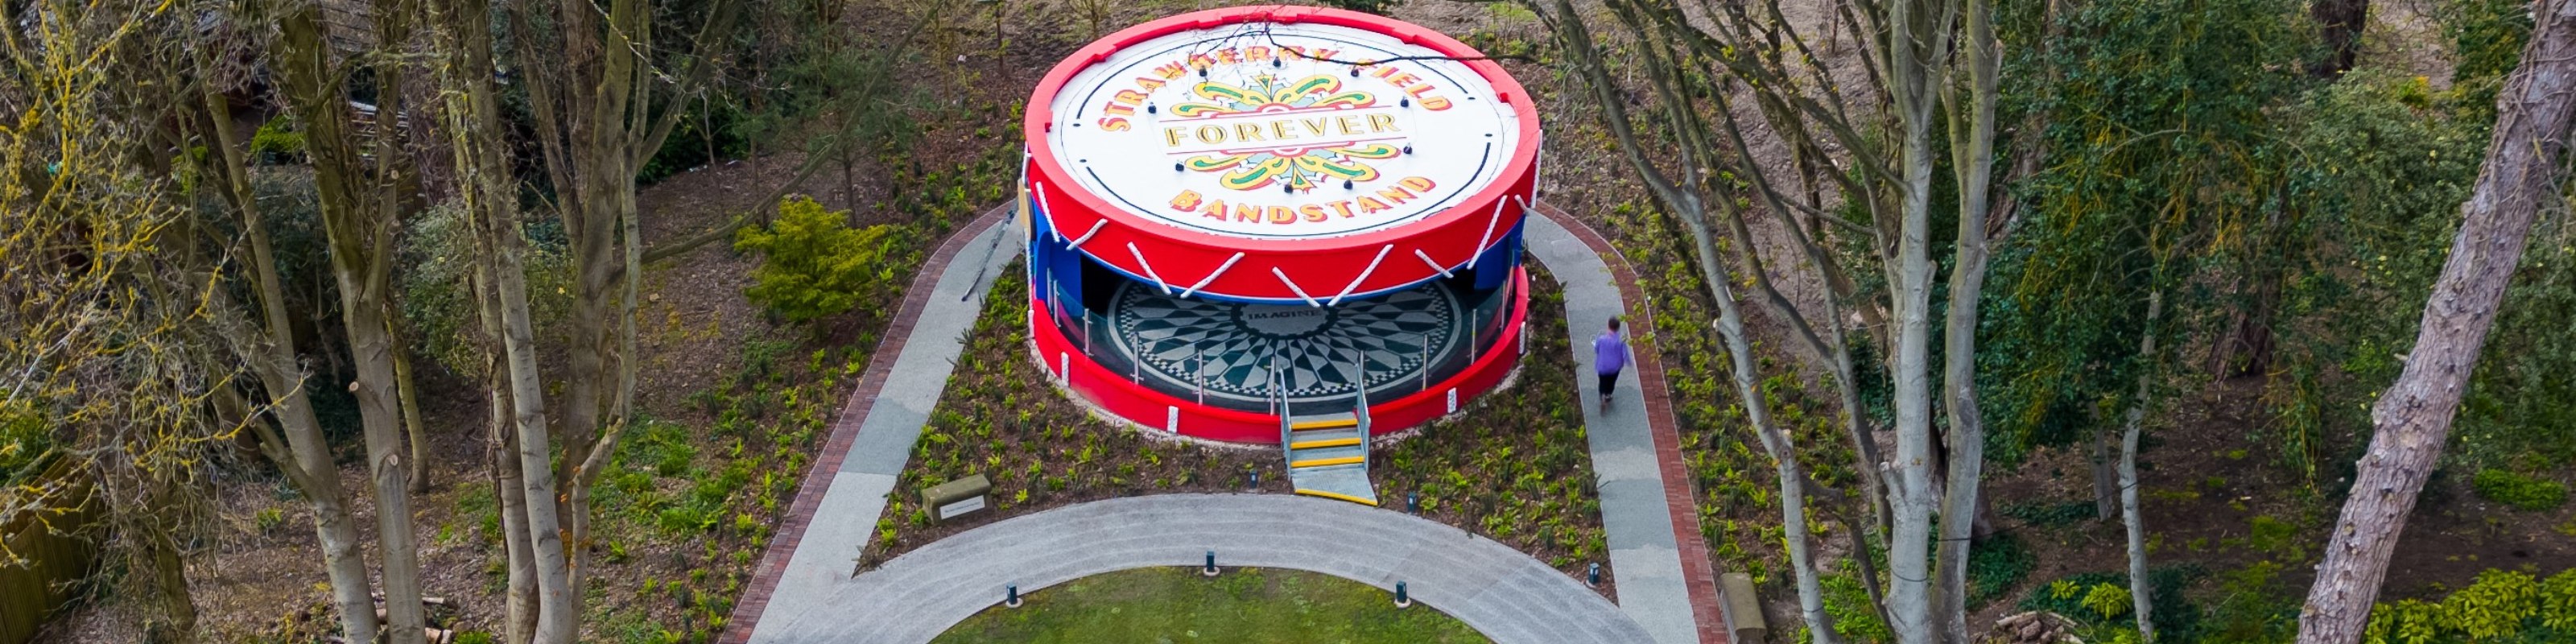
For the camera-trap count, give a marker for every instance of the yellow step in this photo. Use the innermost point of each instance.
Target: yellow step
(1328, 442)
(1321, 462)
(1336, 423)
(1342, 497)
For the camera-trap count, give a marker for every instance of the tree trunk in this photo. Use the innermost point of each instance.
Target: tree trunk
(474, 115)
(361, 248)
(2340, 24)
(507, 479)
(1973, 160)
(299, 449)
(2412, 419)
(167, 577)
(2141, 593)
(2106, 474)
(1784, 455)
(1916, 65)
(410, 398)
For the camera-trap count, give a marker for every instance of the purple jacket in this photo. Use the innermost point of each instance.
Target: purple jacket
(1609, 353)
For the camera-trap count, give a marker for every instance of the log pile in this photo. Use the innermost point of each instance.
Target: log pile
(2036, 627)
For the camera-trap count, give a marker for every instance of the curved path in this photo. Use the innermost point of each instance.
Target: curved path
(803, 591)
(1495, 589)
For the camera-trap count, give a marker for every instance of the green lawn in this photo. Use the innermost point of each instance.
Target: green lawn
(1177, 606)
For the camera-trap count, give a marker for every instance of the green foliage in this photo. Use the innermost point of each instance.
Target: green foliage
(2502, 606)
(23, 439)
(277, 141)
(2049, 514)
(2253, 605)
(437, 270)
(814, 265)
(1995, 565)
(2107, 600)
(709, 126)
(2086, 598)
(2526, 493)
(1855, 617)
(2486, 38)
(2159, 156)
(2385, 164)
(476, 637)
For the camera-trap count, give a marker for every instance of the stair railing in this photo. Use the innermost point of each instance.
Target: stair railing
(1287, 454)
(1359, 394)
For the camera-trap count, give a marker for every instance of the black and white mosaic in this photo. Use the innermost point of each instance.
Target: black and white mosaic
(1321, 353)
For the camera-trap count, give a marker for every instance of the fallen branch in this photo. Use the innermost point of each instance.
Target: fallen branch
(813, 162)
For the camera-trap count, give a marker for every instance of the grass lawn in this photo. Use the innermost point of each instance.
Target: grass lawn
(1176, 605)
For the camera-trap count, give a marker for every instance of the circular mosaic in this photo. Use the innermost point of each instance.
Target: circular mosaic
(1229, 348)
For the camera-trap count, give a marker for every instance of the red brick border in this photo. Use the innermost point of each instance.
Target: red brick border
(818, 477)
(1697, 573)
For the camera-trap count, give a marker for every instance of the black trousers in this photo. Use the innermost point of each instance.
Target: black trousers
(1609, 381)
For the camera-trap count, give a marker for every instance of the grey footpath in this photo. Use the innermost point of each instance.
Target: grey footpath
(1633, 510)
(1493, 588)
(848, 512)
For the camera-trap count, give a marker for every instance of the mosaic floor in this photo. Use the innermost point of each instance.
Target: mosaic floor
(1229, 348)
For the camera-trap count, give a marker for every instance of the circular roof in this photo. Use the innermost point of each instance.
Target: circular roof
(1288, 135)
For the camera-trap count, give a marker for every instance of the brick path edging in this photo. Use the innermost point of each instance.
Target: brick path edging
(845, 429)
(1698, 574)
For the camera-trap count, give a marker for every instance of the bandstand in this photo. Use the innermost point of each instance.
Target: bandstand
(1279, 225)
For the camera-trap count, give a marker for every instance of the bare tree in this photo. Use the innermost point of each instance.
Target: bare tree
(263, 340)
(594, 138)
(358, 198)
(2412, 420)
(100, 329)
(1871, 148)
(2141, 593)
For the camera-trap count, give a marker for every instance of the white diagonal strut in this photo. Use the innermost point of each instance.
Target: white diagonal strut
(1211, 276)
(1076, 244)
(1489, 232)
(1364, 275)
(1426, 259)
(1292, 287)
(1149, 268)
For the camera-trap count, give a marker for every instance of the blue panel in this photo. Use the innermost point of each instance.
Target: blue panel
(1066, 266)
(1495, 265)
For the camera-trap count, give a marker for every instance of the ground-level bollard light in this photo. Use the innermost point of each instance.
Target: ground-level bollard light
(1401, 599)
(1413, 502)
(1210, 570)
(1593, 578)
(1013, 600)
(1252, 479)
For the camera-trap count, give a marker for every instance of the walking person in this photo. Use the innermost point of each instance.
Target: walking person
(1610, 355)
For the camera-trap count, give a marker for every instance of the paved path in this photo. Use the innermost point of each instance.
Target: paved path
(1502, 593)
(803, 591)
(1644, 548)
(818, 542)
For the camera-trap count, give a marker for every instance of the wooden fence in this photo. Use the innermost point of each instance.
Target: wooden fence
(50, 556)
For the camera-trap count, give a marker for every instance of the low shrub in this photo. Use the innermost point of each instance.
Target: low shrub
(2502, 606)
(815, 265)
(1995, 565)
(2527, 493)
(2081, 597)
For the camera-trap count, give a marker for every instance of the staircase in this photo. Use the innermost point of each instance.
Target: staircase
(1328, 457)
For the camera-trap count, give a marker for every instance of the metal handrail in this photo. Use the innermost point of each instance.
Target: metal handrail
(1287, 454)
(1359, 391)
